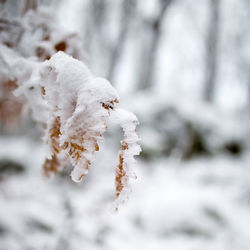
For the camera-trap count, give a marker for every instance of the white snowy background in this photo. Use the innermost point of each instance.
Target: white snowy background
(183, 199)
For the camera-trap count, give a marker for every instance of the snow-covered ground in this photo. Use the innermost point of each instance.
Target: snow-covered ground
(201, 204)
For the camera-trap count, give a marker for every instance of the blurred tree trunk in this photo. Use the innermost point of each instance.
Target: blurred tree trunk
(128, 7)
(211, 62)
(95, 34)
(147, 74)
(29, 4)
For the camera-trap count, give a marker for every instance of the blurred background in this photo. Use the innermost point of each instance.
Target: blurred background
(183, 67)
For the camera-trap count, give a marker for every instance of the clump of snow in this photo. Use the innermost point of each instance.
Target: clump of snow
(76, 107)
(130, 148)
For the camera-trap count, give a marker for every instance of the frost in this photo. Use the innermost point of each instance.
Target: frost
(72, 105)
(26, 38)
(130, 148)
(77, 106)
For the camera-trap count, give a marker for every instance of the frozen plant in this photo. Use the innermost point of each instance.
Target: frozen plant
(30, 31)
(72, 105)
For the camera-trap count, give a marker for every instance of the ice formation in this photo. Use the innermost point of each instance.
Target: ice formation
(41, 63)
(74, 107)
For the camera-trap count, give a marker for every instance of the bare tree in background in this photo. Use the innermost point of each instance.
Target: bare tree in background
(147, 74)
(28, 5)
(95, 37)
(211, 57)
(241, 48)
(128, 10)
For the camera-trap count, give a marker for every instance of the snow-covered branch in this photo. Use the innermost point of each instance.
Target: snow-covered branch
(65, 97)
